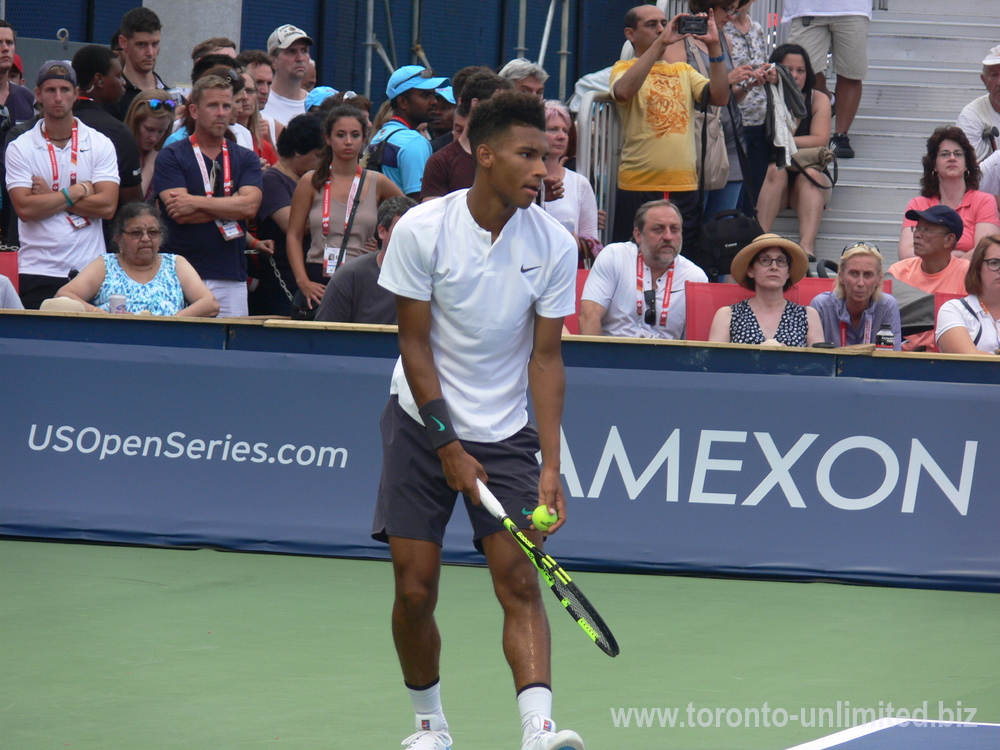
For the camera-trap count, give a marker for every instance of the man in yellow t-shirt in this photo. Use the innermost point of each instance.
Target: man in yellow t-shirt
(656, 102)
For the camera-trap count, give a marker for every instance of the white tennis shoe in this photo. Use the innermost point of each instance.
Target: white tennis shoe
(428, 739)
(546, 738)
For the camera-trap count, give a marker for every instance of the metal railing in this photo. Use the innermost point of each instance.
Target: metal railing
(599, 151)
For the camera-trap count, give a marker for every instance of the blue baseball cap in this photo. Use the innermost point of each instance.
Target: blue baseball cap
(944, 216)
(319, 95)
(412, 77)
(446, 93)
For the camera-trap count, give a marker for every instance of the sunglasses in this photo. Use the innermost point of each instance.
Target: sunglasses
(871, 246)
(158, 104)
(650, 317)
(425, 73)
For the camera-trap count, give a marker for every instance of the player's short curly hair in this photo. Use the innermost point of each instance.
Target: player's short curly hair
(492, 119)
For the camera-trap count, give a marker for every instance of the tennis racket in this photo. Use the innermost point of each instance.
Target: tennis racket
(567, 592)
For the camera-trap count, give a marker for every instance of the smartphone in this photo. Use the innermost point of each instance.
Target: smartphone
(697, 25)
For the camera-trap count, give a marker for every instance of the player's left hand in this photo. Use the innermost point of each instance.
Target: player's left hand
(39, 186)
(550, 494)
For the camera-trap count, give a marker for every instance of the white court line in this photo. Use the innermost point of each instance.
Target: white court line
(823, 743)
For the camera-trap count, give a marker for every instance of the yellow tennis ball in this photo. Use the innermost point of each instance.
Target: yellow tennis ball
(543, 519)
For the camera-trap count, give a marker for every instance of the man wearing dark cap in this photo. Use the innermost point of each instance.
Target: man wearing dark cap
(288, 46)
(403, 156)
(62, 176)
(933, 267)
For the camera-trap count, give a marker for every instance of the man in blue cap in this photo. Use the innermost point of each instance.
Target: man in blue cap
(398, 149)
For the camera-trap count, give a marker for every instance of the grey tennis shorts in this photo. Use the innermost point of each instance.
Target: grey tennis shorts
(414, 499)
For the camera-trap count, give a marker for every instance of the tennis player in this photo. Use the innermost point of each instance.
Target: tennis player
(483, 278)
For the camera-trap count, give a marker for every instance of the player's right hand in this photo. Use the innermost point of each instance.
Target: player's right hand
(461, 470)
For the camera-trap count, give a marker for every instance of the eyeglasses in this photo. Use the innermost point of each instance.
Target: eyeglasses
(157, 104)
(993, 264)
(650, 296)
(138, 234)
(928, 230)
(958, 154)
(732, 11)
(766, 260)
(870, 246)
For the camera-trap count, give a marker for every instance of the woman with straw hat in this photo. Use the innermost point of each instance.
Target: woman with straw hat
(768, 266)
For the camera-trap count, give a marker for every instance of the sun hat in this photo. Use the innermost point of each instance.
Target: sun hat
(796, 269)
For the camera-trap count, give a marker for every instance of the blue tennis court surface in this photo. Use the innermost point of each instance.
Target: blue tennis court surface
(900, 734)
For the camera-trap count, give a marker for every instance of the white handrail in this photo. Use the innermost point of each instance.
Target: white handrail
(599, 150)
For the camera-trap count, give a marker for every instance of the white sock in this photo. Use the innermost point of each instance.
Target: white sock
(427, 707)
(535, 705)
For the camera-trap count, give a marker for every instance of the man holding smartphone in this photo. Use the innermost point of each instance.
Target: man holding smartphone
(656, 102)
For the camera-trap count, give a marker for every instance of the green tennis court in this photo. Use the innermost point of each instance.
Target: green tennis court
(124, 647)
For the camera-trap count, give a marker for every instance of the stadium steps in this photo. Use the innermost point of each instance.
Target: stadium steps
(923, 58)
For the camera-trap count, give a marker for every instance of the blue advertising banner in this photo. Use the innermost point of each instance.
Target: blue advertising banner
(745, 474)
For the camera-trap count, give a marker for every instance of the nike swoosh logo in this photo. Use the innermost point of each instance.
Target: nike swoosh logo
(525, 270)
(527, 512)
(439, 423)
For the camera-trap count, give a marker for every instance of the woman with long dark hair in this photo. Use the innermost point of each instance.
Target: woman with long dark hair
(784, 188)
(951, 178)
(323, 202)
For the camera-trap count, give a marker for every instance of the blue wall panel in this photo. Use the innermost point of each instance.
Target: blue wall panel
(41, 20)
(107, 17)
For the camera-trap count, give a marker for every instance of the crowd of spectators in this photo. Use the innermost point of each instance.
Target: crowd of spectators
(264, 185)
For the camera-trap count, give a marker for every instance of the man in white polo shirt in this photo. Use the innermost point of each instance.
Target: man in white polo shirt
(62, 177)
(636, 289)
(289, 47)
(483, 279)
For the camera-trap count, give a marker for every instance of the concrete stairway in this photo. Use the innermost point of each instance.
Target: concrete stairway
(924, 65)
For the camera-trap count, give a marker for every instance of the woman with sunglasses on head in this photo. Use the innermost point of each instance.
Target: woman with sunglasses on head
(951, 178)
(150, 117)
(971, 325)
(768, 267)
(324, 201)
(856, 309)
(152, 282)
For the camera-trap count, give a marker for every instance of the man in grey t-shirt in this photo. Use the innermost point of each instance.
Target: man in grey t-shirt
(353, 294)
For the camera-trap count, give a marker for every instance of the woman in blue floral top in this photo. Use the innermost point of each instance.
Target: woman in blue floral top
(152, 283)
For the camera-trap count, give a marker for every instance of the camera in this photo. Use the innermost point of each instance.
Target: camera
(697, 25)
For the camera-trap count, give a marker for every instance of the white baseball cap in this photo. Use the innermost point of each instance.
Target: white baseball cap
(993, 57)
(283, 36)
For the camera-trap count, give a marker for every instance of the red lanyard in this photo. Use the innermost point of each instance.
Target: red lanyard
(227, 175)
(868, 333)
(74, 156)
(350, 202)
(640, 268)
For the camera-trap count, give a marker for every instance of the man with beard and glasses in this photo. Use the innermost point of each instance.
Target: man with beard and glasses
(636, 289)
